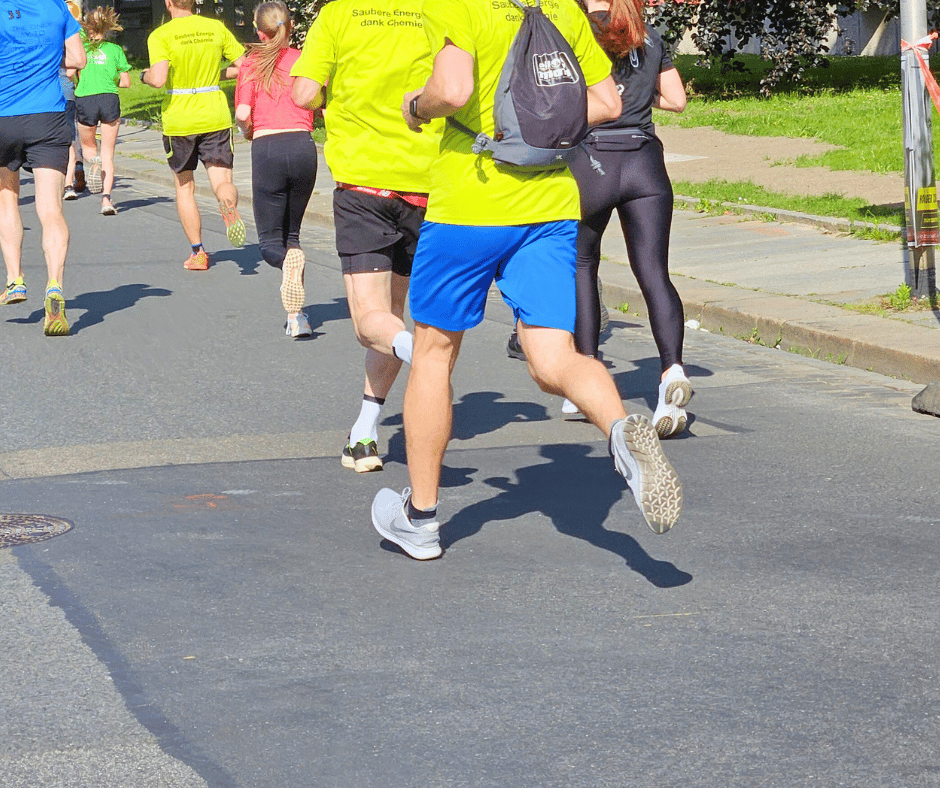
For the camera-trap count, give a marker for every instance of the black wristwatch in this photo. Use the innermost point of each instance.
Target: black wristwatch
(142, 75)
(413, 109)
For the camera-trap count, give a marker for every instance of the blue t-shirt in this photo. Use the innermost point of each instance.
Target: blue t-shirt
(32, 41)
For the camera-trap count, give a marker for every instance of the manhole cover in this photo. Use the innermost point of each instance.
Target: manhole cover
(17, 529)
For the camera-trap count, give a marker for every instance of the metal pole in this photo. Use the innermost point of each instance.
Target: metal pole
(920, 192)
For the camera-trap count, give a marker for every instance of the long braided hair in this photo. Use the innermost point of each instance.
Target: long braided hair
(273, 19)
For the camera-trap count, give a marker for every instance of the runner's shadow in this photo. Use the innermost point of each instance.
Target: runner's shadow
(129, 205)
(248, 258)
(99, 305)
(547, 487)
(318, 314)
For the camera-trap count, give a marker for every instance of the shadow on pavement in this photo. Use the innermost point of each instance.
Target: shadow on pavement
(248, 258)
(129, 205)
(476, 413)
(547, 488)
(99, 305)
(643, 382)
(172, 740)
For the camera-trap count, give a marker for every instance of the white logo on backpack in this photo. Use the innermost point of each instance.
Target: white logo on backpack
(554, 69)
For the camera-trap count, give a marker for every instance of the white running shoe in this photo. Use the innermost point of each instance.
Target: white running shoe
(570, 411)
(298, 326)
(638, 457)
(421, 542)
(675, 391)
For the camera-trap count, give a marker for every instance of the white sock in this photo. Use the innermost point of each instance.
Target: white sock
(569, 407)
(403, 345)
(366, 426)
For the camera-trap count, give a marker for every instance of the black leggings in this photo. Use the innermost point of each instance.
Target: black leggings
(636, 184)
(283, 171)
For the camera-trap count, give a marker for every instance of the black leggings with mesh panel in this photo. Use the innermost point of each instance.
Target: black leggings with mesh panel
(636, 184)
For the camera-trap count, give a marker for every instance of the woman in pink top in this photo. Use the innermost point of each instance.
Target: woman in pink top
(283, 154)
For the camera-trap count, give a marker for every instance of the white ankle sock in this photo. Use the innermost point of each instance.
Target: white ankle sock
(569, 407)
(403, 345)
(366, 425)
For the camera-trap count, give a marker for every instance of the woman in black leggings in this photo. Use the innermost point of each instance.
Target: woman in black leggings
(622, 167)
(283, 154)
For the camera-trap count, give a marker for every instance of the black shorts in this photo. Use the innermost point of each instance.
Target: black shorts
(70, 116)
(213, 149)
(375, 233)
(40, 141)
(100, 108)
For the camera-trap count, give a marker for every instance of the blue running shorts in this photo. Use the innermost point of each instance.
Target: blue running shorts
(533, 265)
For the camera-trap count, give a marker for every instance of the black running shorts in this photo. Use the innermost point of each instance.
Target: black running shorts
(213, 149)
(40, 141)
(70, 116)
(375, 233)
(101, 108)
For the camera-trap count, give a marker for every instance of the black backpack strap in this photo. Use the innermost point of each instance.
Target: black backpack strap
(481, 141)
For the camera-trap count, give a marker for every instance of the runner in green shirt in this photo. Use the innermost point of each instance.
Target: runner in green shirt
(486, 223)
(368, 54)
(185, 56)
(97, 102)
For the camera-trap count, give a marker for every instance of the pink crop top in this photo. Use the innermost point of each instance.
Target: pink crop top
(277, 111)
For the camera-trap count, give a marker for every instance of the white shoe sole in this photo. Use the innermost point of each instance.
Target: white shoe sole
(655, 485)
(293, 294)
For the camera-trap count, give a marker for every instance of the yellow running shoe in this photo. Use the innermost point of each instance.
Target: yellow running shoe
(15, 292)
(234, 226)
(55, 324)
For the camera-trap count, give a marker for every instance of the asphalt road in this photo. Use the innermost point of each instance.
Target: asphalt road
(223, 613)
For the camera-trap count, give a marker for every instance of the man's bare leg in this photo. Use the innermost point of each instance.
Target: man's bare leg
(50, 185)
(557, 367)
(11, 224)
(186, 206)
(428, 410)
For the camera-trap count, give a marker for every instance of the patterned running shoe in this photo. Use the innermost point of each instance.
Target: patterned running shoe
(675, 391)
(639, 458)
(198, 261)
(55, 324)
(234, 226)
(292, 281)
(15, 292)
(514, 347)
(95, 183)
(363, 457)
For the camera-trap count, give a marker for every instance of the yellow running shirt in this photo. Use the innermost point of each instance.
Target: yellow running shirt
(195, 47)
(470, 189)
(370, 53)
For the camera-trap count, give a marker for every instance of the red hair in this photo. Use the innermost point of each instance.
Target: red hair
(625, 30)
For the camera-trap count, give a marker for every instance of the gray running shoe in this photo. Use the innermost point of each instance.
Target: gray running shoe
(639, 458)
(388, 516)
(514, 347)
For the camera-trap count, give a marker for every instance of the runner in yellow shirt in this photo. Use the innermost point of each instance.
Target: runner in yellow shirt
(368, 54)
(489, 222)
(186, 54)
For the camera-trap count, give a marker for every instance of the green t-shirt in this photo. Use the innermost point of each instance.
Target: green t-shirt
(369, 55)
(105, 62)
(195, 47)
(470, 189)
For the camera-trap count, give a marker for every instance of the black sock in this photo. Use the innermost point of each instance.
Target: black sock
(197, 248)
(415, 514)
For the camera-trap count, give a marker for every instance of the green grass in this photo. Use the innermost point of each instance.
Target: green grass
(828, 107)
(743, 193)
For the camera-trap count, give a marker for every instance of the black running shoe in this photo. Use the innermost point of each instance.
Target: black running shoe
(513, 348)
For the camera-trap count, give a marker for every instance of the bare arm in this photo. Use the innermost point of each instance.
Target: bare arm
(74, 52)
(157, 75)
(449, 88)
(671, 94)
(603, 102)
(231, 71)
(305, 92)
(125, 80)
(243, 119)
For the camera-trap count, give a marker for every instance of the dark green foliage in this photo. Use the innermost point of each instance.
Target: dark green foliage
(792, 32)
